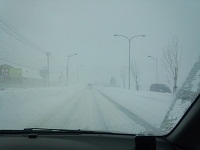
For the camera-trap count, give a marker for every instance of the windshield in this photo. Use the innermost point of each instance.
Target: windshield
(95, 65)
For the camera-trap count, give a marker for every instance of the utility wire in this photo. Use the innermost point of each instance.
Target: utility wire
(10, 30)
(19, 60)
(5, 26)
(17, 51)
(19, 64)
(11, 34)
(14, 54)
(58, 64)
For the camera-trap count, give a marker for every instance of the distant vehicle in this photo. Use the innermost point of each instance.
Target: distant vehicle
(89, 86)
(160, 88)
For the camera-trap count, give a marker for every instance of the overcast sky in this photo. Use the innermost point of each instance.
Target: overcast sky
(87, 27)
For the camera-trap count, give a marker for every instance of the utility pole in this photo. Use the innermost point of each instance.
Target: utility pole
(156, 59)
(68, 66)
(48, 54)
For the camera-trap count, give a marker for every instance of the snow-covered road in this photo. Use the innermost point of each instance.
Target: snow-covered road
(79, 108)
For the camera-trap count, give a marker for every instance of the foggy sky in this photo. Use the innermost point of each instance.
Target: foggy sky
(87, 28)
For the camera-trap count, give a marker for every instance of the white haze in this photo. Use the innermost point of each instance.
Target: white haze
(87, 28)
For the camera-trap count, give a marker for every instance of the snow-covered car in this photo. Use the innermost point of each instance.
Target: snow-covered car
(89, 86)
(160, 88)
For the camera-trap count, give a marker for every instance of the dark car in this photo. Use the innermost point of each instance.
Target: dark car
(89, 86)
(160, 88)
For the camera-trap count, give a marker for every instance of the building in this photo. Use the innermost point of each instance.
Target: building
(12, 77)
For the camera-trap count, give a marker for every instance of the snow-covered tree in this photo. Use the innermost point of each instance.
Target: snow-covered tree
(135, 72)
(171, 60)
(123, 76)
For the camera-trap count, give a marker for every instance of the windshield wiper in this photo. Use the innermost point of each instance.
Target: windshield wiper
(46, 130)
(78, 131)
(36, 131)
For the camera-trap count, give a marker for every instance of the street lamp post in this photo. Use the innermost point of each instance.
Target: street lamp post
(156, 59)
(129, 64)
(48, 54)
(68, 66)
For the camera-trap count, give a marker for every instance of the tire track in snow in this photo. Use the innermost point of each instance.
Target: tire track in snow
(70, 115)
(52, 113)
(99, 112)
(129, 114)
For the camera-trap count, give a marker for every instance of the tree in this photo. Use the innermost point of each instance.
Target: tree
(123, 75)
(135, 72)
(171, 60)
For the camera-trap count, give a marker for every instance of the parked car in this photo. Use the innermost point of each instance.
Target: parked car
(160, 88)
(89, 86)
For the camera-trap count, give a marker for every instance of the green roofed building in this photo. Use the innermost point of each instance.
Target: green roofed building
(10, 76)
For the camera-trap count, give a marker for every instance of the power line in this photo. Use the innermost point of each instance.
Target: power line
(19, 64)
(15, 50)
(18, 38)
(10, 27)
(58, 64)
(20, 61)
(10, 30)
(8, 53)
(11, 34)
(14, 54)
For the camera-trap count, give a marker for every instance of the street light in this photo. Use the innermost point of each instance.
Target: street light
(129, 40)
(156, 59)
(78, 69)
(68, 65)
(48, 54)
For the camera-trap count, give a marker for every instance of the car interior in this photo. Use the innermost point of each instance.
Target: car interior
(80, 88)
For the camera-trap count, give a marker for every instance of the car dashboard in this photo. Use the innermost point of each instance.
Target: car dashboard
(83, 141)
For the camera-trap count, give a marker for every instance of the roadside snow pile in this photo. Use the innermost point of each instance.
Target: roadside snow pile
(149, 106)
(19, 107)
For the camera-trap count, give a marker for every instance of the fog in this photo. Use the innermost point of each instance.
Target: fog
(87, 28)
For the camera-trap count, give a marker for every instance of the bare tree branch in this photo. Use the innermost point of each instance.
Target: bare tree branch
(123, 76)
(135, 72)
(171, 59)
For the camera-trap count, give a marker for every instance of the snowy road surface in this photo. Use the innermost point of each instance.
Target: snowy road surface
(98, 108)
